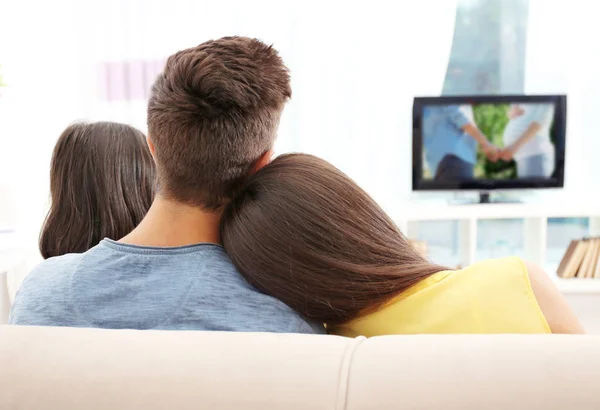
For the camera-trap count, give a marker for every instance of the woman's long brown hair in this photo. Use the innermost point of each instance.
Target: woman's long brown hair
(305, 233)
(102, 183)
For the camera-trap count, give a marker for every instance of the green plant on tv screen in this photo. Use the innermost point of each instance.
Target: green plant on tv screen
(492, 119)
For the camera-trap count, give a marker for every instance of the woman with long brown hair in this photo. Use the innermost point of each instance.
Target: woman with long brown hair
(305, 233)
(102, 182)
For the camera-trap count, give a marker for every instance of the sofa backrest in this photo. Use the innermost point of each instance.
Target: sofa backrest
(73, 369)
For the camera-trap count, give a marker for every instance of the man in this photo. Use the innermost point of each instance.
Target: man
(450, 138)
(213, 116)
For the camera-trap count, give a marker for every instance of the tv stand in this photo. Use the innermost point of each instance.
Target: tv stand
(485, 198)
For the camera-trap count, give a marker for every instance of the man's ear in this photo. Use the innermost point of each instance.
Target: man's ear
(151, 146)
(262, 161)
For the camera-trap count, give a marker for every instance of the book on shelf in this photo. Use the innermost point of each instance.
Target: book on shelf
(566, 258)
(587, 259)
(581, 260)
(596, 273)
(593, 259)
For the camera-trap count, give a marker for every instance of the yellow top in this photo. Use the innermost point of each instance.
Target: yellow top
(494, 296)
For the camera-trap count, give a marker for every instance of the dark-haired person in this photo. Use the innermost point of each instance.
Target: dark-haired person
(305, 233)
(213, 116)
(102, 182)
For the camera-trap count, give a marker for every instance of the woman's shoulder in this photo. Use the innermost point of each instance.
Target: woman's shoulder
(554, 306)
(478, 276)
(492, 296)
(501, 273)
(511, 264)
(514, 276)
(510, 274)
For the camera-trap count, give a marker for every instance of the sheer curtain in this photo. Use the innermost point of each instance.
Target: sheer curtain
(42, 71)
(355, 69)
(563, 56)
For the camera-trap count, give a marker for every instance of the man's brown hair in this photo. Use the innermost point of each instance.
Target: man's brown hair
(212, 113)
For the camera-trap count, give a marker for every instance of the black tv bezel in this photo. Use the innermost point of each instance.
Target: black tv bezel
(560, 126)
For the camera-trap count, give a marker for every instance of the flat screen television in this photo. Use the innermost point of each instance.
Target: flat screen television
(487, 143)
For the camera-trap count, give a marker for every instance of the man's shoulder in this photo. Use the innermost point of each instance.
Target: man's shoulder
(223, 287)
(199, 287)
(42, 297)
(50, 274)
(56, 267)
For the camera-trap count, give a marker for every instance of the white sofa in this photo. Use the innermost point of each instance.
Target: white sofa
(68, 369)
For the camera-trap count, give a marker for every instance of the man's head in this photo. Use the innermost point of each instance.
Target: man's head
(212, 115)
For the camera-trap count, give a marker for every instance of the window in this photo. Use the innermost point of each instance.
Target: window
(488, 48)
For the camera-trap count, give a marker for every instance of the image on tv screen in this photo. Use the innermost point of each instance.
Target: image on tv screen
(488, 141)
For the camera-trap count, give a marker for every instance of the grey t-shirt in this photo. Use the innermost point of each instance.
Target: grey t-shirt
(121, 286)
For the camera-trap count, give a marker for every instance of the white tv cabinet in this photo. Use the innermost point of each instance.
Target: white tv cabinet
(535, 221)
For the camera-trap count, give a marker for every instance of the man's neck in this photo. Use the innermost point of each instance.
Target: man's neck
(169, 223)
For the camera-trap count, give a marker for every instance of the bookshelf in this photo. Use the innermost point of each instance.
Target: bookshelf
(537, 231)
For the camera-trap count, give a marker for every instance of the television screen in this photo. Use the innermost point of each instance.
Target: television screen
(488, 142)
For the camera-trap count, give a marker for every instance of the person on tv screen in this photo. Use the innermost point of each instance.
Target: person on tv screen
(527, 140)
(450, 139)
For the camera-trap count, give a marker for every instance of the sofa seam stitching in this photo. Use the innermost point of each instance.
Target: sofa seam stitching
(345, 368)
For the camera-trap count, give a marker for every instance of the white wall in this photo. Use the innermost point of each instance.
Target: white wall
(355, 67)
(40, 67)
(563, 56)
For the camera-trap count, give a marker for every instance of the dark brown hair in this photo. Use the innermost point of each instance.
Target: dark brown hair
(305, 233)
(102, 182)
(212, 113)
